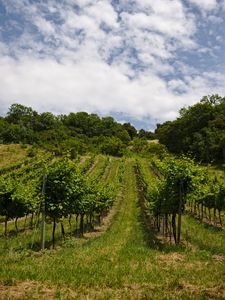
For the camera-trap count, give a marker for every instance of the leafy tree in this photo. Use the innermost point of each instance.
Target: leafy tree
(139, 145)
(198, 130)
(46, 121)
(20, 114)
(130, 129)
(122, 134)
(142, 133)
(112, 146)
(157, 149)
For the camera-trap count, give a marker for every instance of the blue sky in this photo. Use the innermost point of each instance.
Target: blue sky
(137, 60)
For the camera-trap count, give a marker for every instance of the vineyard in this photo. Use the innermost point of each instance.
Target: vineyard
(102, 227)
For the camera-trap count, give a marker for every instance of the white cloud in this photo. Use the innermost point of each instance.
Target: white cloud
(205, 4)
(96, 59)
(102, 11)
(45, 27)
(95, 86)
(169, 25)
(84, 86)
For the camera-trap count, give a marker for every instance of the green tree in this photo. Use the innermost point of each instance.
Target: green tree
(130, 129)
(198, 130)
(112, 146)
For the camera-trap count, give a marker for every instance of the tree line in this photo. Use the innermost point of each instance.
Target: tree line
(79, 132)
(199, 130)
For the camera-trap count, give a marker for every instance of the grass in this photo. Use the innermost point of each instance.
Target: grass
(98, 168)
(10, 154)
(125, 262)
(205, 237)
(216, 171)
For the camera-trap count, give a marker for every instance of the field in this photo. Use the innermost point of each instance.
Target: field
(122, 258)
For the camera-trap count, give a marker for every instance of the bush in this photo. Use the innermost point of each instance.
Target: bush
(112, 146)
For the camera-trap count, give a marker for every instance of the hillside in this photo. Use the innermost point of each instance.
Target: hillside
(123, 256)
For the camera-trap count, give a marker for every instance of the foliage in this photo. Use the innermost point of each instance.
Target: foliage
(139, 145)
(149, 148)
(174, 186)
(64, 190)
(199, 130)
(77, 132)
(126, 254)
(167, 195)
(63, 184)
(112, 146)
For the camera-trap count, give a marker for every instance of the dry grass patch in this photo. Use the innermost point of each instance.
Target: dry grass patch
(219, 258)
(24, 290)
(10, 154)
(171, 258)
(215, 292)
(36, 290)
(197, 265)
(83, 159)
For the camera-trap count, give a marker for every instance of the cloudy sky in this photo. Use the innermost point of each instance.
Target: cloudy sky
(137, 60)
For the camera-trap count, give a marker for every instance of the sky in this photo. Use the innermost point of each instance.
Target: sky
(139, 61)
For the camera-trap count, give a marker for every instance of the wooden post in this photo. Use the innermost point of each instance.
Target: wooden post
(174, 227)
(180, 211)
(43, 214)
(186, 215)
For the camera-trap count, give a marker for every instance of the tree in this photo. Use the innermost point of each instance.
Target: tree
(157, 149)
(142, 133)
(130, 129)
(19, 113)
(198, 130)
(112, 146)
(46, 121)
(139, 145)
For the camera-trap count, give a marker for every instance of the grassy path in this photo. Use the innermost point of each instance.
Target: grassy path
(123, 263)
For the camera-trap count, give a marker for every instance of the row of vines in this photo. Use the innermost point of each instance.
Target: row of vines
(60, 191)
(174, 188)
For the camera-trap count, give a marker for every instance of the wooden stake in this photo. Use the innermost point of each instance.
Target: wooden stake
(43, 214)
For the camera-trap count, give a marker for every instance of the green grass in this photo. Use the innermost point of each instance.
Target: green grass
(98, 168)
(125, 262)
(206, 237)
(217, 171)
